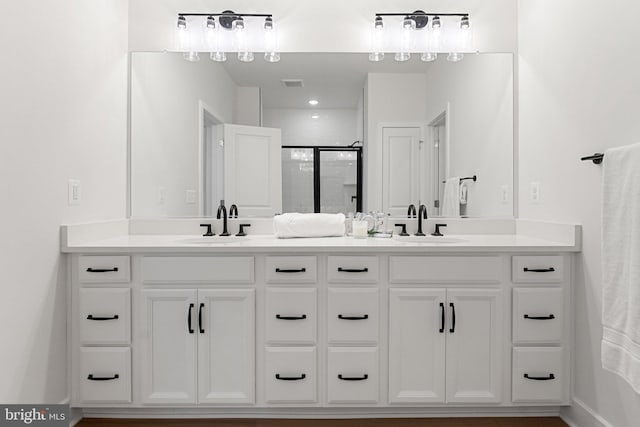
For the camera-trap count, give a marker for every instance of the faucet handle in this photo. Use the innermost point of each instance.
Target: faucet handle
(242, 232)
(437, 232)
(404, 229)
(209, 232)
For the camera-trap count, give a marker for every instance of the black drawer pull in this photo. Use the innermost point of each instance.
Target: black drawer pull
(189, 319)
(291, 270)
(92, 317)
(549, 317)
(281, 378)
(362, 378)
(453, 318)
(363, 317)
(353, 270)
(101, 270)
(92, 378)
(550, 377)
(539, 270)
(200, 318)
(442, 318)
(301, 317)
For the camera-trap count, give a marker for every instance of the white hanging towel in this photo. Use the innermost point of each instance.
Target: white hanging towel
(621, 263)
(464, 193)
(451, 198)
(308, 225)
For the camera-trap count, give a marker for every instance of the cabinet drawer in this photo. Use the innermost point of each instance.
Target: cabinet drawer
(291, 315)
(538, 315)
(202, 269)
(352, 375)
(105, 316)
(538, 375)
(444, 269)
(104, 269)
(291, 269)
(105, 375)
(290, 375)
(537, 269)
(352, 269)
(353, 315)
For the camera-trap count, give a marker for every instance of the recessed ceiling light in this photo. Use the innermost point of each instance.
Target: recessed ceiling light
(313, 102)
(315, 116)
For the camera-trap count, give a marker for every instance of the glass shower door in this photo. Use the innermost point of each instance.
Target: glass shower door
(338, 181)
(297, 180)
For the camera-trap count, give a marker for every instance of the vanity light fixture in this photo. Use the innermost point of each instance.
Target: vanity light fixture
(448, 32)
(219, 33)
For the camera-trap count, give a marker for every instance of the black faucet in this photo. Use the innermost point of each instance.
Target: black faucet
(422, 214)
(411, 211)
(233, 211)
(438, 233)
(222, 209)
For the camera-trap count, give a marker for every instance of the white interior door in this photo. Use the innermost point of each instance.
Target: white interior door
(168, 350)
(416, 346)
(226, 346)
(400, 168)
(253, 169)
(474, 345)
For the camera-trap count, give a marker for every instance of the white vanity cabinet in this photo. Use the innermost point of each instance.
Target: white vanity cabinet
(323, 330)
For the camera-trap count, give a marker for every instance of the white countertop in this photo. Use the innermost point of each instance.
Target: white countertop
(268, 243)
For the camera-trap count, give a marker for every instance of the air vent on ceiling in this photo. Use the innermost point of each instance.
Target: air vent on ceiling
(292, 82)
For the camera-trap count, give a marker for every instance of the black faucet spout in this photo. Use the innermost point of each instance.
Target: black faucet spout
(222, 211)
(411, 211)
(422, 214)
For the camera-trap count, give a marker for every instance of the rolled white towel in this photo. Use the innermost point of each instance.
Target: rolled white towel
(308, 225)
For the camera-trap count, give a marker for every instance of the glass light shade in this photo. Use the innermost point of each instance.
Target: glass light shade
(182, 36)
(271, 56)
(218, 56)
(377, 41)
(270, 43)
(455, 57)
(376, 56)
(191, 56)
(407, 40)
(402, 56)
(428, 56)
(245, 56)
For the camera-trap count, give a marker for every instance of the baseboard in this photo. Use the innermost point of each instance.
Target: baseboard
(581, 415)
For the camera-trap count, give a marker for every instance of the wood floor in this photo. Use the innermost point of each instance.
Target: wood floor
(386, 422)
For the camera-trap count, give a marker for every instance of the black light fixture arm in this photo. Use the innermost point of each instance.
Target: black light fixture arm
(422, 13)
(244, 15)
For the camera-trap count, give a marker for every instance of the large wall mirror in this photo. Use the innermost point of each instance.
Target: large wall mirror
(321, 133)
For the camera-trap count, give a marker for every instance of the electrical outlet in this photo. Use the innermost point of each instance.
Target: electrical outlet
(162, 195)
(190, 197)
(504, 194)
(534, 192)
(73, 192)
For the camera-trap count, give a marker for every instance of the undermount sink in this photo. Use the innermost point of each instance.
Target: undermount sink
(429, 239)
(213, 240)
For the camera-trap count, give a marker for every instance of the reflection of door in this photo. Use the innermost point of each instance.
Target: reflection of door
(439, 159)
(252, 169)
(400, 168)
(321, 179)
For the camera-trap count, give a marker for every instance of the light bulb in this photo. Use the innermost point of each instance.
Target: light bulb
(377, 41)
(270, 41)
(182, 36)
(435, 22)
(211, 34)
(464, 36)
(244, 55)
(211, 23)
(406, 42)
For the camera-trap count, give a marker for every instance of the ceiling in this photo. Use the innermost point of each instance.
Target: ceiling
(336, 80)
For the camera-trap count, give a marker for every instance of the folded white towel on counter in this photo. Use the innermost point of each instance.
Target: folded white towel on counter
(308, 225)
(451, 198)
(621, 263)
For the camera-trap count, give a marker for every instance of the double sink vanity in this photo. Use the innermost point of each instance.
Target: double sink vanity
(175, 323)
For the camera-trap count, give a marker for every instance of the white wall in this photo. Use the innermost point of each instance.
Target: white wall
(579, 92)
(63, 114)
(389, 98)
(479, 93)
(336, 126)
(165, 128)
(248, 110)
(303, 25)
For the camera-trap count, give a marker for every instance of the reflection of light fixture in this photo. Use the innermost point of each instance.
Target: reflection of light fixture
(315, 116)
(445, 34)
(208, 36)
(313, 102)
(455, 57)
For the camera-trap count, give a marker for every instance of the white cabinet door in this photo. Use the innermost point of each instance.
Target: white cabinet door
(416, 345)
(168, 346)
(474, 345)
(226, 337)
(253, 169)
(400, 169)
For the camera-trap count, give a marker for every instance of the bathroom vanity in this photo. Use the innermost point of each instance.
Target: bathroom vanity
(177, 325)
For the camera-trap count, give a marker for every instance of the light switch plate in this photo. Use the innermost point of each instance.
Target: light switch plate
(74, 192)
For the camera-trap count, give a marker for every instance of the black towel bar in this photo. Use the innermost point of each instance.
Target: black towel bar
(595, 158)
(473, 178)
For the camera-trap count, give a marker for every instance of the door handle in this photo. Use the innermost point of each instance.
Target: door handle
(539, 270)
(101, 270)
(363, 317)
(92, 317)
(301, 317)
(453, 317)
(281, 378)
(189, 319)
(344, 378)
(547, 378)
(92, 378)
(353, 270)
(200, 318)
(549, 317)
(291, 270)
(442, 318)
